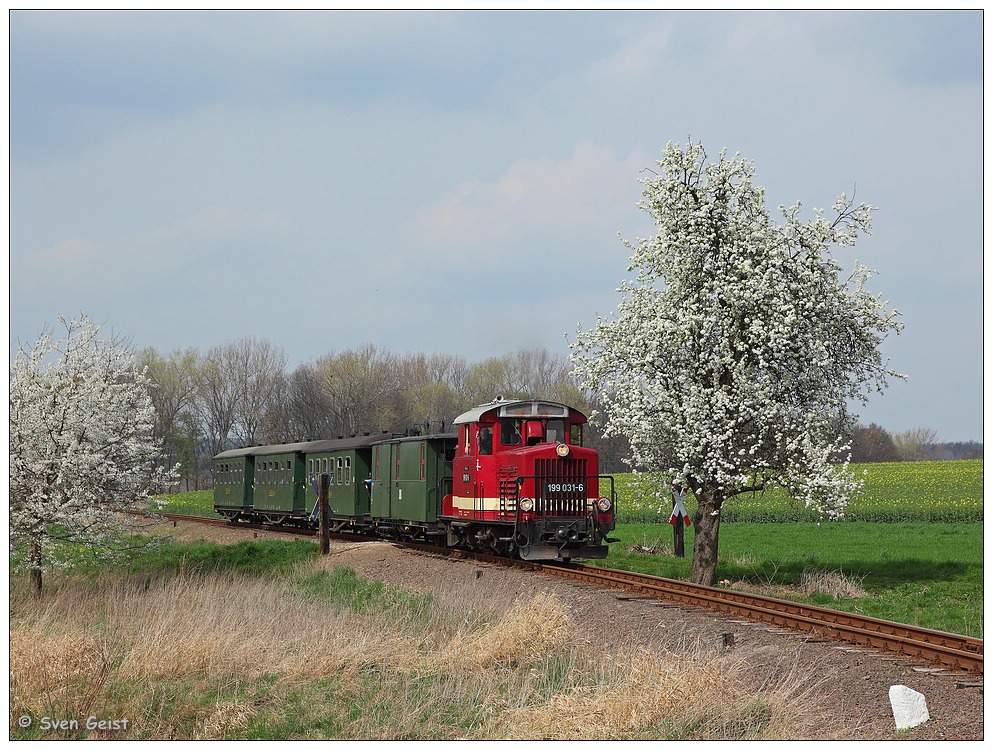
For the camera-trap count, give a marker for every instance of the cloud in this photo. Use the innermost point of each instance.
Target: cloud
(533, 198)
(197, 238)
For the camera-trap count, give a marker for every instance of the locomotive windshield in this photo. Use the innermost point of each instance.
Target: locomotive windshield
(510, 432)
(515, 432)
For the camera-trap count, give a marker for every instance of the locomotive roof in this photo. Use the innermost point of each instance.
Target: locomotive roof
(311, 446)
(519, 408)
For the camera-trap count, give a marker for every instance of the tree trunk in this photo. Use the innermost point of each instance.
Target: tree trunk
(706, 524)
(35, 566)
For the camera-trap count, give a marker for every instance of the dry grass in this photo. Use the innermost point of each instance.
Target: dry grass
(191, 657)
(525, 632)
(834, 583)
(814, 582)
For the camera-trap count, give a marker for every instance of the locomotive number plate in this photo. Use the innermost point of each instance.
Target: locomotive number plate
(565, 487)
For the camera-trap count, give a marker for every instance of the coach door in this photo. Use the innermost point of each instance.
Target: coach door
(382, 480)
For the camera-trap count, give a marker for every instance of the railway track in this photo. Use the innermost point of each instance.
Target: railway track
(946, 650)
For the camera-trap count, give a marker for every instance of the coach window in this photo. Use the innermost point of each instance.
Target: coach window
(338, 471)
(348, 469)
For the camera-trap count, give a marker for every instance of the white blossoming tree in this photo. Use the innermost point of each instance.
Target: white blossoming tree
(81, 444)
(736, 349)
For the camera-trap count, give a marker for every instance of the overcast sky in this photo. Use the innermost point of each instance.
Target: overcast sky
(457, 182)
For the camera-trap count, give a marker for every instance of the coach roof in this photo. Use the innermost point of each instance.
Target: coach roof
(312, 446)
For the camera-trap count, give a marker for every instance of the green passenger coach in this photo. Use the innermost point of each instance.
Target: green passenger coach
(347, 463)
(234, 480)
(410, 476)
(279, 482)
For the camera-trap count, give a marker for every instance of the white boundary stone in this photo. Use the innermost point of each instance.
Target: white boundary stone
(909, 707)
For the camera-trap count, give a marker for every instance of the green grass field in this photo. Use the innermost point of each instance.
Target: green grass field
(924, 574)
(933, 491)
(910, 550)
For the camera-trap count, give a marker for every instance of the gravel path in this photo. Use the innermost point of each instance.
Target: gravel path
(855, 684)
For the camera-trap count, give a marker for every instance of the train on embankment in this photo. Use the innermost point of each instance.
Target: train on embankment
(513, 478)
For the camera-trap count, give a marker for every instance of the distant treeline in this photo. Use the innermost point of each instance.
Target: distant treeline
(242, 393)
(873, 444)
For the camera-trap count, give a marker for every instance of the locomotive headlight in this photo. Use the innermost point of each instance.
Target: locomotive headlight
(527, 504)
(603, 504)
(562, 450)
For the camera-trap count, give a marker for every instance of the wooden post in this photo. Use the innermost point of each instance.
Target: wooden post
(324, 513)
(678, 547)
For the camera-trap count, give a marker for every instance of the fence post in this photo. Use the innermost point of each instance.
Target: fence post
(324, 513)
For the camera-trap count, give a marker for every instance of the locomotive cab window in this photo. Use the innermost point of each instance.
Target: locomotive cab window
(576, 434)
(555, 431)
(510, 432)
(485, 441)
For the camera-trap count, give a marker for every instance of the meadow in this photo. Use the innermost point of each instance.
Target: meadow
(909, 550)
(266, 640)
(148, 640)
(918, 491)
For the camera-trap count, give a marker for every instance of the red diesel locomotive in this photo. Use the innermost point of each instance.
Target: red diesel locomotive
(522, 483)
